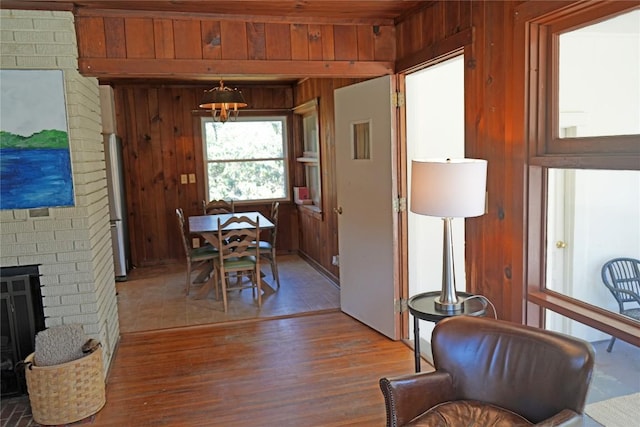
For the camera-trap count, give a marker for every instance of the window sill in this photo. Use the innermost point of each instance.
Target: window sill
(307, 159)
(595, 317)
(311, 210)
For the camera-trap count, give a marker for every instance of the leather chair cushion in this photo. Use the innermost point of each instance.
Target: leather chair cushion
(468, 413)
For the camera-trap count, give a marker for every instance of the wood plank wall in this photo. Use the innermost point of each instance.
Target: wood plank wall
(162, 141)
(495, 242)
(319, 233)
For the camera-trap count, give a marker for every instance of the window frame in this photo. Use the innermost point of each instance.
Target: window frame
(547, 150)
(284, 118)
(614, 149)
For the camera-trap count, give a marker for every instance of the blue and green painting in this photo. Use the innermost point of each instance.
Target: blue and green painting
(35, 160)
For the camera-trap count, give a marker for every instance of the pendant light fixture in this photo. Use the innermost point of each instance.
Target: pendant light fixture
(223, 102)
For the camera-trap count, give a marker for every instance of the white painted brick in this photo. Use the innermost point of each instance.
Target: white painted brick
(76, 278)
(16, 49)
(58, 268)
(16, 227)
(18, 249)
(92, 329)
(8, 62)
(66, 62)
(44, 62)
(6, 216)
(79, 222)
(56, 50)
(89, 308)
(64, 37)
(78, 299)
(51, 301)
(83, 319)
(63, 24)
(59, 290)
(86, 287)
(7, 239)
(21, 215)
(50, 280)
(82, 245)
(61, 310)
(36, 259)
(73, 256)
(34, 36)
(30, 13)
(15, 23)
(8, 261)
(36, 237)
(47, 224)
(52, 321)
(6, 36)
(55, 247)
(72, 234)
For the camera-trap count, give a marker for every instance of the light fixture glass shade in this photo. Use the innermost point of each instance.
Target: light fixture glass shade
(223, 101)
(448, 188)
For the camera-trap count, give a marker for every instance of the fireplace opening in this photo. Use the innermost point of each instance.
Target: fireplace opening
(22, 317)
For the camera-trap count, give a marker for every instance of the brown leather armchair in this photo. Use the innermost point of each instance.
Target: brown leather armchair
(494, 373)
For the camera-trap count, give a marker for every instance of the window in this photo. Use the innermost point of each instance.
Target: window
(584, 175)
(245, 160)
(308, 114)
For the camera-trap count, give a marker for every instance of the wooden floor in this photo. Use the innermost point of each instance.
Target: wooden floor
(313, 370)
(253, 367)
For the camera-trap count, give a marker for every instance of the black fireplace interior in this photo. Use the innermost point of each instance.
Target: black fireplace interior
(22, 316)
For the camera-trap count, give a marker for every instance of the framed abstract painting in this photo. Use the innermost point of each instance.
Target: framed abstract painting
(35, 159)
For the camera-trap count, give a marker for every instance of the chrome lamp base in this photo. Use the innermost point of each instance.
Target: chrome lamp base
(448, 301)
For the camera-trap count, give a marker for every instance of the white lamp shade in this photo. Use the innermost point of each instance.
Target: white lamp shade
(448, 188)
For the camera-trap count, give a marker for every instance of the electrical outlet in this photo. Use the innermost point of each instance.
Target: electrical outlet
(195, 242)
(192, 178)
(335, 260)
(184, 179)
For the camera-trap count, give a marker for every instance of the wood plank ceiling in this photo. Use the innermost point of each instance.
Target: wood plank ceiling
(335, 12)
(348, 11)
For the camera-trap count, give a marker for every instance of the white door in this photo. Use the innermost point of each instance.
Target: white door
(366, 218)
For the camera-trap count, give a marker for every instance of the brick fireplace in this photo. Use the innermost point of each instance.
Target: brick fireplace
(71, 245)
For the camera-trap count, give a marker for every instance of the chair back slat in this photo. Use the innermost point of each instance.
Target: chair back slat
(182, 231)
(273, 233)
(622, 274)
(236, 243)
(217, 207)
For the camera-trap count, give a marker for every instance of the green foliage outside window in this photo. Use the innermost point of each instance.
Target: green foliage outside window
(245, 159)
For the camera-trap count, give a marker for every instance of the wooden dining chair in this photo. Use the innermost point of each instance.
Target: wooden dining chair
(217, 207)
(203, 256)
(267, 248)
(237, 255)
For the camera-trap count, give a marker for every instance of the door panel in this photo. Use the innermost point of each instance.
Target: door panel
(366, 218)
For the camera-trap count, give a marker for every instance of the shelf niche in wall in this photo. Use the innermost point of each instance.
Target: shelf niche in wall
(307, 113)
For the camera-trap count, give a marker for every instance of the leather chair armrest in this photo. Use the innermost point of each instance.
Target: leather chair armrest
(408, 396)
(564, 418)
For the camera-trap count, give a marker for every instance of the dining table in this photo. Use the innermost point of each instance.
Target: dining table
(207, 227)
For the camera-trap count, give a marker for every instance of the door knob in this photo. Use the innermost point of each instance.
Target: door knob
(560, 244)
(338, 210)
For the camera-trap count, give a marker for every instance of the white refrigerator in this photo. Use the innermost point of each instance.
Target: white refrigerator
(117, 205)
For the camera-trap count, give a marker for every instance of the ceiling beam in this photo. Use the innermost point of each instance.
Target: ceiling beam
(206, 70)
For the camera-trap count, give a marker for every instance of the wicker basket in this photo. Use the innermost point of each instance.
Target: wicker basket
(68, 392)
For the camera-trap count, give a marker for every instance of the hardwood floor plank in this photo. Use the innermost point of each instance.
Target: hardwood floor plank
(316, 370)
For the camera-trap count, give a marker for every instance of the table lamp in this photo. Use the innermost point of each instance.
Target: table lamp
(451, 188)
